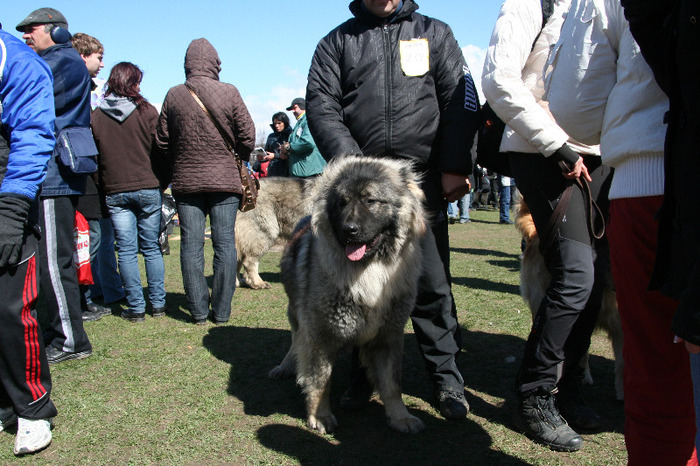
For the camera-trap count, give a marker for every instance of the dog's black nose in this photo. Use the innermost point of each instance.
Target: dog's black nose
(351, 229)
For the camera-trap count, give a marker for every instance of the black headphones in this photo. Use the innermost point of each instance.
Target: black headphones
(60, 35)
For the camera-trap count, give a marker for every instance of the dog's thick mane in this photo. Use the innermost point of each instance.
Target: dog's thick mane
(371, 282)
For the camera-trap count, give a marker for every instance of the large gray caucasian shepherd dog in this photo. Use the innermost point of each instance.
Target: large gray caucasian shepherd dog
(351, 273)
(282, 202)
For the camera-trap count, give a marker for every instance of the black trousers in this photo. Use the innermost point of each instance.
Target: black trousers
(434, 318)
(579, 266)
(24, 370)
(59, 278)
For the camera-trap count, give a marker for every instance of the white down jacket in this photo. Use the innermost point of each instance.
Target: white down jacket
(616, 102)
(512, 77)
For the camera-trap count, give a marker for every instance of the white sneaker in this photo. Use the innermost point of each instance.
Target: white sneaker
(7, 418)
(32, 435)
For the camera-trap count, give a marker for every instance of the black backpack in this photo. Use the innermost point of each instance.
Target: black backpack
(491, 126)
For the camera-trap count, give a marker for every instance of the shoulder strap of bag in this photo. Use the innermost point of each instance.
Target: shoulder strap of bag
(216, 124)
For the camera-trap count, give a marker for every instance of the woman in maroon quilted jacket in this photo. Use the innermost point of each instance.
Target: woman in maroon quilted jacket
(205, 177)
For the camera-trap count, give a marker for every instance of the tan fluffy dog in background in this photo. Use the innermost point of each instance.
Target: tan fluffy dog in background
(534, 280)
(282, 202)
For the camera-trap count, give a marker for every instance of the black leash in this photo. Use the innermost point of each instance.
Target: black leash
(592, 209)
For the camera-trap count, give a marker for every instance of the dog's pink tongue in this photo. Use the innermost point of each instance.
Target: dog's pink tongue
(355, 252)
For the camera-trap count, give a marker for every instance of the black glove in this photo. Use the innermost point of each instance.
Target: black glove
(13, 219)
(567, 155)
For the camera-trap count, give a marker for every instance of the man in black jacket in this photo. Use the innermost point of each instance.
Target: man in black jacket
(393, 83)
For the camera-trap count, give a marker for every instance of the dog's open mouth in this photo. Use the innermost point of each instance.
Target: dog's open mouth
(356, 252)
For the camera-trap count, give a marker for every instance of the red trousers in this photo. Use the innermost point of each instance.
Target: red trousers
(659, 409)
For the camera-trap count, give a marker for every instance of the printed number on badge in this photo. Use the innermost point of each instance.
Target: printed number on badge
(415, 57)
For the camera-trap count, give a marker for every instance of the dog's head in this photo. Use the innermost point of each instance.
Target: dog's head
(371, 207)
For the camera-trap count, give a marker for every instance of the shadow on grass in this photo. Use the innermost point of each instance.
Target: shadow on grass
(484, 252)
(513, 265)
(365, 439)
(271, 277)
(488, 285)
(490, 363)
(476, 220)
(362, 436)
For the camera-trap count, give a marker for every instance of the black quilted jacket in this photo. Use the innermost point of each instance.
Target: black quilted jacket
(360, 100)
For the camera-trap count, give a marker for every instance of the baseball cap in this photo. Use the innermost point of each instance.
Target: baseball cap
(43, 16)
(298, 101)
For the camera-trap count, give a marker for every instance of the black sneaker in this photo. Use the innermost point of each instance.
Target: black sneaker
(452, 404)
(539, 418)
(90, 316)
(159, 312)
(574, 409)
(132, 316)
(100, 310)
(55, 355)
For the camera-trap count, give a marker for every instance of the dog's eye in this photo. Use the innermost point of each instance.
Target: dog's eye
(371, 201)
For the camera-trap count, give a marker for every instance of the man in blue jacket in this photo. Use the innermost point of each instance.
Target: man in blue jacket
(26, 143)
(46, 31)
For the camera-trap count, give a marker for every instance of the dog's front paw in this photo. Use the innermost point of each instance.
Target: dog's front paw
(261, 285)
(281, 372)
(323, 424)
(407, 425)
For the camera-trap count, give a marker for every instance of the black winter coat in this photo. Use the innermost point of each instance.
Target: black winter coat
(668, 34)
(360, 99)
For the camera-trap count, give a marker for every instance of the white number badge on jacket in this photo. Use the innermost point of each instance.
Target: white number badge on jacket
(415, 56)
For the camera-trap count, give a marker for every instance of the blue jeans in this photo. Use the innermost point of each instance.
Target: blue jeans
(192, 210)
(505, 204)
(136, 220)
(459, 208)
(452, 210)
(695, 372)
(108, 283)
(464, 204)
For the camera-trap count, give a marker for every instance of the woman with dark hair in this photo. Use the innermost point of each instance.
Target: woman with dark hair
(281, 129)
(124, 126)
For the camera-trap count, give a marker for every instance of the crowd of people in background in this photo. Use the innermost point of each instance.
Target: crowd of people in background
(393, 83)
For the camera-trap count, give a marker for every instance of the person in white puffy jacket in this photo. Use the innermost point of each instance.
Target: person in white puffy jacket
(618, 104)
(545, 161)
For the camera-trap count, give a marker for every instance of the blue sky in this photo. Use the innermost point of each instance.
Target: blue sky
(265, 46)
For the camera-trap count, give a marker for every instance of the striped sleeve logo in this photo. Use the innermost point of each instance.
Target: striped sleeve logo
(470, 102)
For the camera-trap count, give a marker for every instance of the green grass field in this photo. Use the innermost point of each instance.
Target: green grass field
(169, 392)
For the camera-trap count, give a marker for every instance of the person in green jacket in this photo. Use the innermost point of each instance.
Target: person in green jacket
(305, 160)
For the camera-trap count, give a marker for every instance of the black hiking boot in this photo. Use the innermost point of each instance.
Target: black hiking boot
(539, 418)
